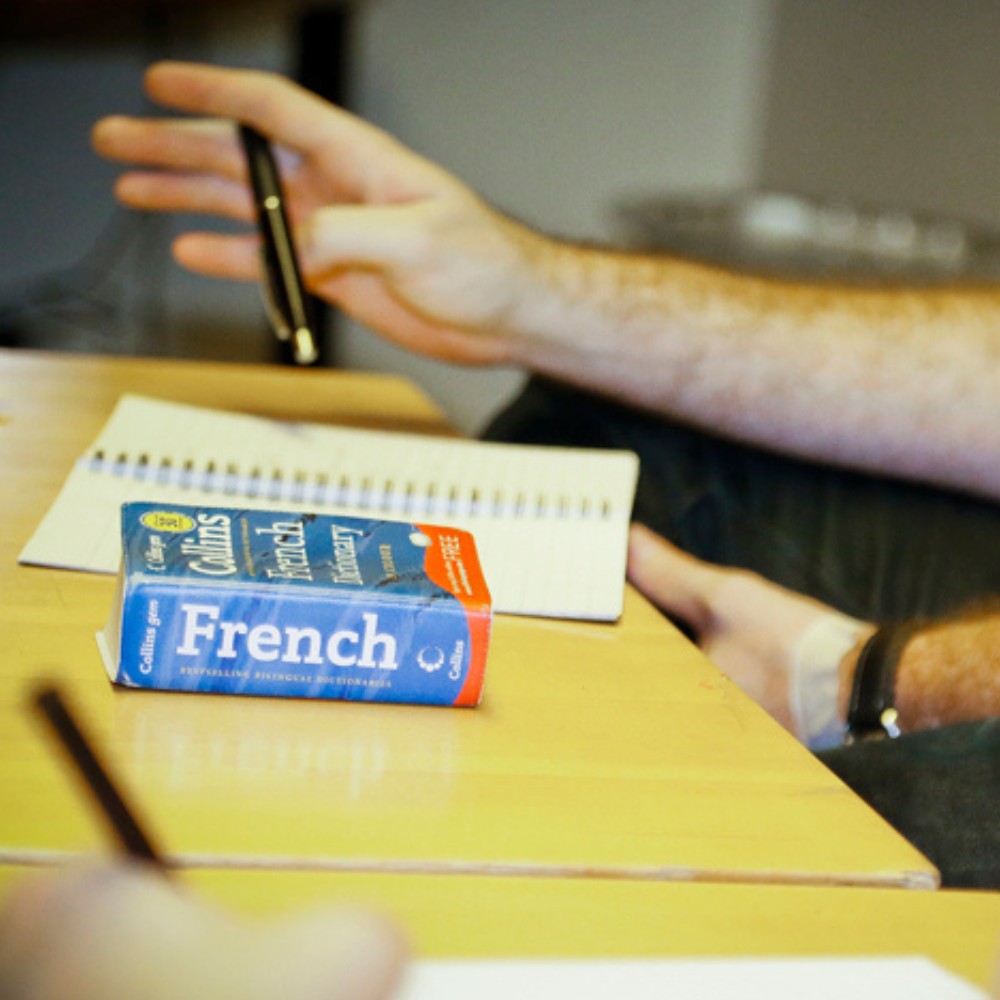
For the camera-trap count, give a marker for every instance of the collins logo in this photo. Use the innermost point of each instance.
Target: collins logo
(431, 658)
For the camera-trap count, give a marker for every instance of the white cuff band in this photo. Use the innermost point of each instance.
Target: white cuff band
(814, 681)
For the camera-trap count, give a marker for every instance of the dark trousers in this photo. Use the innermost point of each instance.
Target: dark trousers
(873, 547)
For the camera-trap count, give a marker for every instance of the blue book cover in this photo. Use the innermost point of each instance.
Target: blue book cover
(256, 602)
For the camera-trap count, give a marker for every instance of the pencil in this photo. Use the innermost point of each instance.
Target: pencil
(52, 707)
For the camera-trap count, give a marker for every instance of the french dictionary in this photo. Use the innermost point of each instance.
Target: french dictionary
(291, 604)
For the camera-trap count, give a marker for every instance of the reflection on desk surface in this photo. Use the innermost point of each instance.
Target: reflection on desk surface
(345, 754)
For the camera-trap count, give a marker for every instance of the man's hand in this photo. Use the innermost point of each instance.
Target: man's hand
(756, 632)
(392, 238)
(123, 932)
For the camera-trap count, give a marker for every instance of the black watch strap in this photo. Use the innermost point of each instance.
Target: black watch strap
(872, 709)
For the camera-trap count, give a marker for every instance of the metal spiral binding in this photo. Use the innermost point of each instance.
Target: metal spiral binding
(328, 490)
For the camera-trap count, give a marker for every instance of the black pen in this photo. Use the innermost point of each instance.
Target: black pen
(121, 819)
(284, 291)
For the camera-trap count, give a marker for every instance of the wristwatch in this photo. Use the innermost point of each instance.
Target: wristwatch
(871, 713)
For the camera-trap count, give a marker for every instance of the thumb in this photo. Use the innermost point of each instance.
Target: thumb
(374, 236)
(678, 583)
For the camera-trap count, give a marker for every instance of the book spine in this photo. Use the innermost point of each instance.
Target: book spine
(356, 648)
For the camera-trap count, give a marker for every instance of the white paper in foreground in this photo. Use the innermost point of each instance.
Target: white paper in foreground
(912, 978)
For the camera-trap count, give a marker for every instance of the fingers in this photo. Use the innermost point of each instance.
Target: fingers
(347, 158)
(357, 158)
(203, 168)
(373, 236)
(155, 192)
(710, 596)
(350, 954)
(680, 584)
(114, 933)
(280, 109)
(86, 933)
(219, 256)
(205, 147)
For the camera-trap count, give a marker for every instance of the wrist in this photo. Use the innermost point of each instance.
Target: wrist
(536, 302)
(576, 312)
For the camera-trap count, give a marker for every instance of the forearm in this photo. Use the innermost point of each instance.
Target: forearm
(949, 672)
(902, 382)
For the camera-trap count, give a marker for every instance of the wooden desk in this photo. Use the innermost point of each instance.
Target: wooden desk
(598, 750)
(464, 916)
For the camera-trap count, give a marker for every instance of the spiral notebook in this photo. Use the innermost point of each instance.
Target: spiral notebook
(551, 524)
